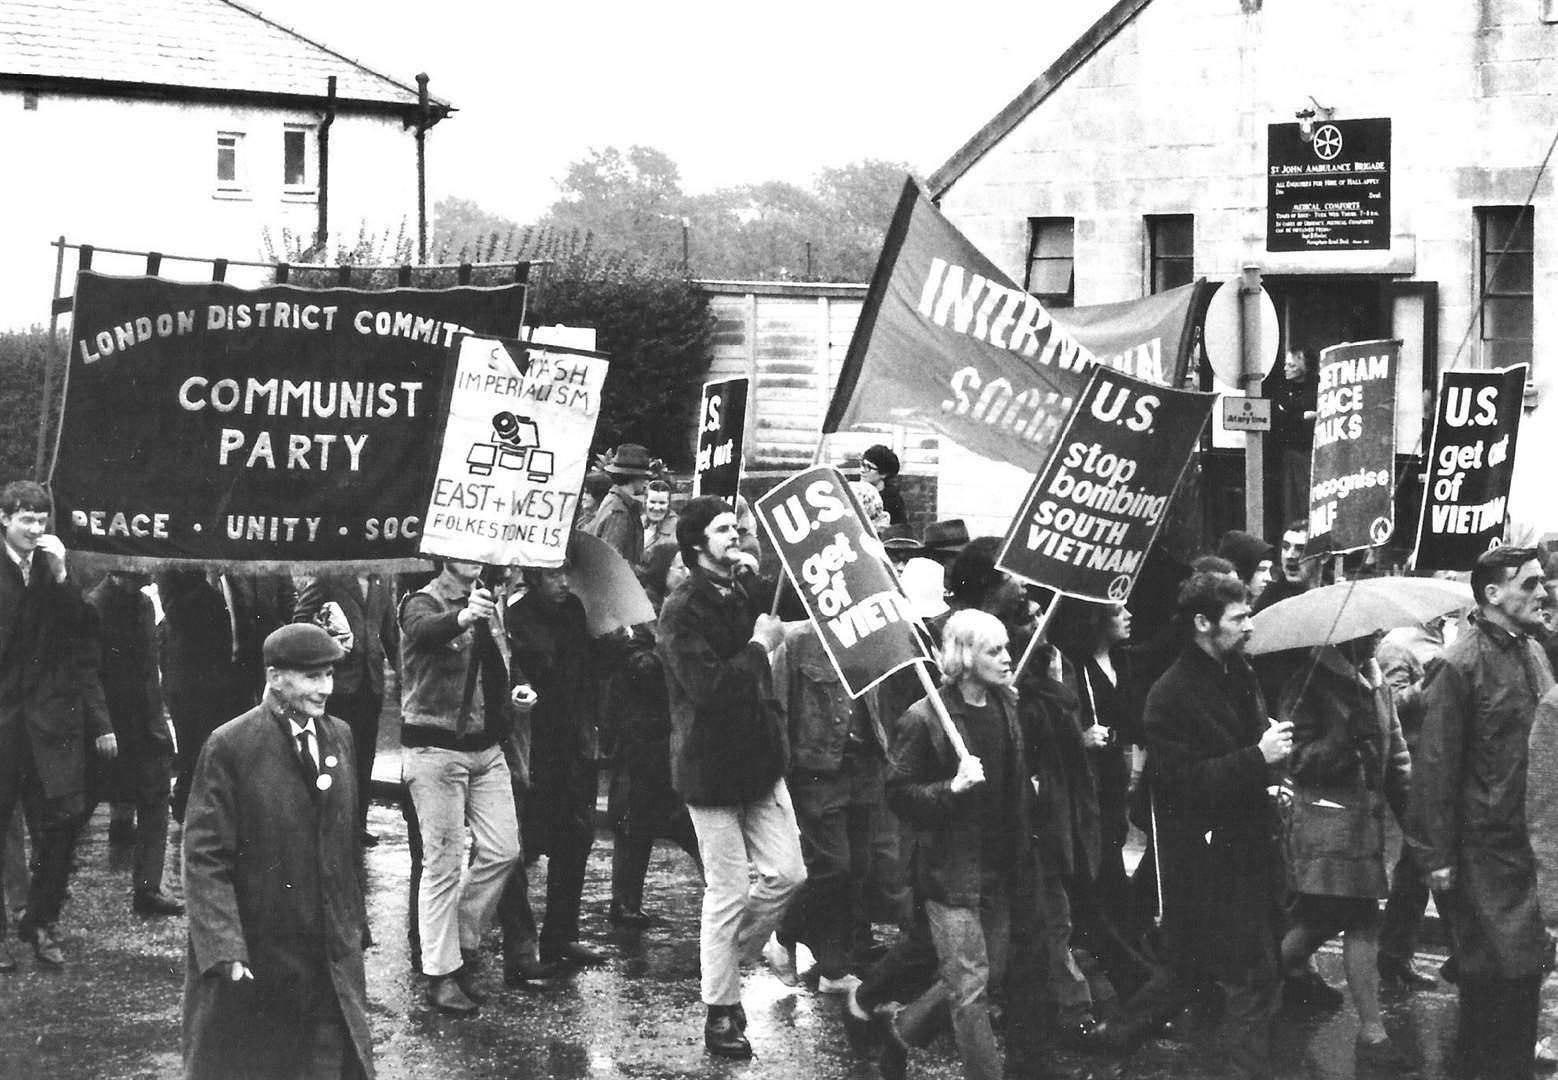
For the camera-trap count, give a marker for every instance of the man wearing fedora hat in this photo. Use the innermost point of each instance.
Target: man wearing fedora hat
(274, 983)
(943, 540)
(619, 520)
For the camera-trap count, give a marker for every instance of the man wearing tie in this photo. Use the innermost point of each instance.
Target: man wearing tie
(371, 634)
(51, 704)
(274, 982)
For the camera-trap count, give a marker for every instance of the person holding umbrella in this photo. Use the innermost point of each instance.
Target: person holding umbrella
(1349, 763)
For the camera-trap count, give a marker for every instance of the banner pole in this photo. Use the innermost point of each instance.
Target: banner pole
(1157, 860)
(1038, 634)
(953, 735)
(48, 364)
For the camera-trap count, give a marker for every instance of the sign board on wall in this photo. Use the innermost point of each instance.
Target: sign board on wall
(1330, 191)
(1246, 413)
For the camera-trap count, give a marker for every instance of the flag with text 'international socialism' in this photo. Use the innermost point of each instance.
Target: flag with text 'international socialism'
(947, 341)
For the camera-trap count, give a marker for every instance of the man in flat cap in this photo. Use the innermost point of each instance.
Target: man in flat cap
(274, 982)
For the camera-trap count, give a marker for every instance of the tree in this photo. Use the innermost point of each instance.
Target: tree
(630, 202)
(464, 232)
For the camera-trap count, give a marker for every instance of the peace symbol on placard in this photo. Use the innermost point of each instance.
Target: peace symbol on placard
(1120, 588)
(1380, 529)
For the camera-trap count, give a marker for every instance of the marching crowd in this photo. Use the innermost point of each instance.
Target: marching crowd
(995, 840)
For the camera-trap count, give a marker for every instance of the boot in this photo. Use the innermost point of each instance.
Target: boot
(722, 1035)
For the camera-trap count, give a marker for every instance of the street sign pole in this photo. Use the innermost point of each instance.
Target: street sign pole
(1253, 369)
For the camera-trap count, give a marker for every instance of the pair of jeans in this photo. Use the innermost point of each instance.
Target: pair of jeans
(738, 915)
(838, 817)
(453, 789)
(971, 950)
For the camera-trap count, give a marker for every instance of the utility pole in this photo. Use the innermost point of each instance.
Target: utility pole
(1253, 370)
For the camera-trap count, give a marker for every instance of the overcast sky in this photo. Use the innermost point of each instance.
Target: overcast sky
(733, 92)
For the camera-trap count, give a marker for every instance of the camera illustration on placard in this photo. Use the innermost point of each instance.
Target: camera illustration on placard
(516, 445)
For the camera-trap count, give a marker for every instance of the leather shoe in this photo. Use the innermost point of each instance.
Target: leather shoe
(7, 958)
(632, 918)
(155, 902)
(722, 1036)
(44, 945)
(1404, 973)
(445, 995)
(1309, 990)
(466, 981)
(574, 953)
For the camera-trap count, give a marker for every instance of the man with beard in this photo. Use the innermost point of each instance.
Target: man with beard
(1212, 752)
(1467, 817)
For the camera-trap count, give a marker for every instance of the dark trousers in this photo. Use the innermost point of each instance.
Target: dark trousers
(1498, 1023)
(1404, 910)
(906, 970)
(558, 821)
(56, 821)
(361, 712)
(837, 816)
(145, 797)
(408, 811)
(630, 855)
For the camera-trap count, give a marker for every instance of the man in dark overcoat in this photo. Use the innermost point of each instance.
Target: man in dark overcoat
(1466, 820)
(125, 628)
(51, 707)
(1211, 754)
(274, 983)
(364, 601)
(552, 652)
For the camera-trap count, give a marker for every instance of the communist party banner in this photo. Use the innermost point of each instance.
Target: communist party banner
(279, 425)
(1352, 472)
(1097, 505)
(515, 448)
(1470, 466)
(839, 570)
(947, 341)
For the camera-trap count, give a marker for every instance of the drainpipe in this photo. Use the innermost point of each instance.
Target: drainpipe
(423, 123)
(323, 231)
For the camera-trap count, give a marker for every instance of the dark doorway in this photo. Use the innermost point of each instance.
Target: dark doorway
(1314, 313)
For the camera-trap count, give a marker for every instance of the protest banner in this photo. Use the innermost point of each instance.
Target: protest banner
(1352, 501)
(282, 425)
(947, 341)
(1471, 462)
(515, 446)
(1097, 504)
(722, 428)
(838, 568)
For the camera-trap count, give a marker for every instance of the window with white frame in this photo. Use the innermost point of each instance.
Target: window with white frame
(1051, 269)
(230, 164)
(1505, 257)
(299, 159)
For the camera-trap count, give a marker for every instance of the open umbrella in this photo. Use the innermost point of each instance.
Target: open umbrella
(606, 585)
(1354, 609)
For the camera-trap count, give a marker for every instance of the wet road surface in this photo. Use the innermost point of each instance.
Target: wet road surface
(113, 1011)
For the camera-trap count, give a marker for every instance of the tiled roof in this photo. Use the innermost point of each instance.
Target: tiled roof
(212, 45)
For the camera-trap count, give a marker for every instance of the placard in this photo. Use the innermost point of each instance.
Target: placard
(1470, 465)
(514, 451)
(722, 425)
(838, 568)
(1097, 504)
(1352, 472)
